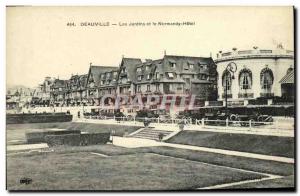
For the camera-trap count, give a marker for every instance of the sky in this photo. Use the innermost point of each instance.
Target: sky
(39, 42)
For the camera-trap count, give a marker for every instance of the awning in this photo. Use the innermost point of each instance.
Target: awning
(288, 78)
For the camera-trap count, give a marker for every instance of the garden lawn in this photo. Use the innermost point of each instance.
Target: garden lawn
(141, 171)
(260, 144)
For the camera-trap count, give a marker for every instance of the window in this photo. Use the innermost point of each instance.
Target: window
(266, 79)
(173, 64)
(147, 67)
(140, 77)
(108, 74)
(191, 66)
(203, 66)
(148, 76)
(139, 69)
(170, 75)
(157, 87)
(109, 91)
(139, 88)
(187, 80)
(148, 87)
(245, 79)
(102, 82)
(204, 77)
(115, 74)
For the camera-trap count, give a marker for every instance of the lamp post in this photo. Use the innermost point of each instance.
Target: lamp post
(231, 69)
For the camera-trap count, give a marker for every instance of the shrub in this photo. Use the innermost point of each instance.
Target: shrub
(67, 139)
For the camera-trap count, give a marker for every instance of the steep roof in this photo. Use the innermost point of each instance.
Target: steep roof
(131, 64)
(96, 71)
(183, 66)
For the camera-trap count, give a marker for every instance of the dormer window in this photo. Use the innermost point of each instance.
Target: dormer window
(191, 66)
(115, 74)
(156, 75)
(202, 77)
(172, 64)
(203, 66)
(108, 74)
(124, 70)
(170, 75)
(139, 69)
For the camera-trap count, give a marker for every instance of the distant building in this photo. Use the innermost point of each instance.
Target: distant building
(261, 73)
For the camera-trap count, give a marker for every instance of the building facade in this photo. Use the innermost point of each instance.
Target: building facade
(175, 75)
(259, 73)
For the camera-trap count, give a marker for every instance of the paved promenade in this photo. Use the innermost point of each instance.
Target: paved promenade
(282, 128)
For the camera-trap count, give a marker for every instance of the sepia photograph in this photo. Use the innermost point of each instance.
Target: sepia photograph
(150, 98)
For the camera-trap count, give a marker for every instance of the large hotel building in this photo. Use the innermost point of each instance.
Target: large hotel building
(173, 75)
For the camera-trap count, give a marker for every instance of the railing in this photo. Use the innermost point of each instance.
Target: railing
(246, 53)
(248, 125)
(215, 103)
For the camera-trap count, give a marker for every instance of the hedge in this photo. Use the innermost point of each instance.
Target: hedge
(39, 137)
(77, 139)
(67, 139)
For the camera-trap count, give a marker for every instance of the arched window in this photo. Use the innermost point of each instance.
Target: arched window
(245, 79)
(266, 79)
(226, 80)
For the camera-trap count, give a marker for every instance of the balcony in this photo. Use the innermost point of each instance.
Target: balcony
(267, 95)
(245, 95)
(229, 96)
(215, 103)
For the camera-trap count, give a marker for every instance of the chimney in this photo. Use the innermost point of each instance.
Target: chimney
(165, 52)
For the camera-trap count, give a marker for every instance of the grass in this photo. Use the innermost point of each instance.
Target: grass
(141, 171)
(17, 131)
(268, 145)
(264, 166)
